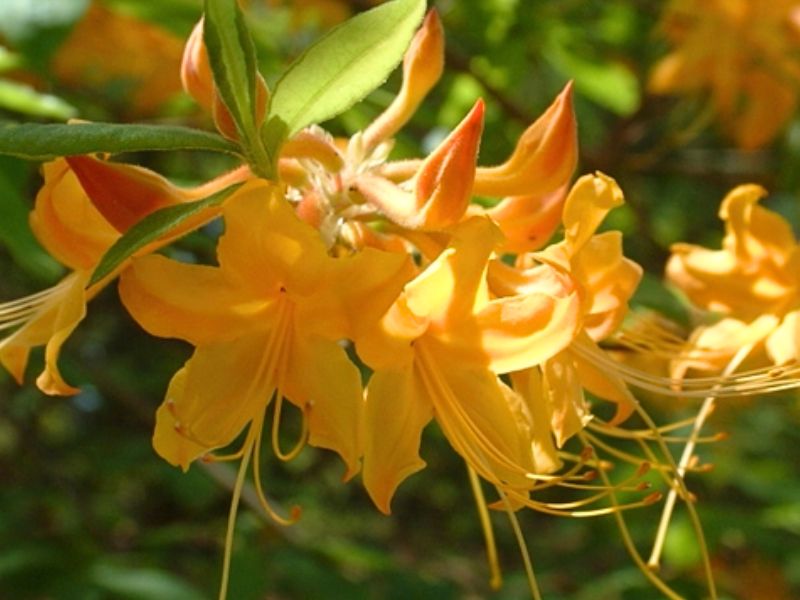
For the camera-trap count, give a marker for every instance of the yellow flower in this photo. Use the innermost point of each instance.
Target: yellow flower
(82, 209)
(744, 53)
(436, 354)
(753, 282)
(266, 321)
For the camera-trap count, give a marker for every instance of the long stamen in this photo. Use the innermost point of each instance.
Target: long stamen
(523, 547)
(619, 518)
(496, 579)
(295, 511)
(237, 492)
(771, 379)
(688, 451)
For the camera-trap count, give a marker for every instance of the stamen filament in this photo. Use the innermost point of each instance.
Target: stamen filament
(688, 451)
(523, 547)
(276, 424)
(496, 577)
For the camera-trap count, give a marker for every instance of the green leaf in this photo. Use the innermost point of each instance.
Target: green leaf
(154, 226)
(232, 57)
(341, 68)
(36, 141)
(141, 583)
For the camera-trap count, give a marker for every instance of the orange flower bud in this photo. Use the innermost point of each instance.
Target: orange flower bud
(198, 81)
(196, 75)
(544, 159)
(442, 186)
(125, 194)
(423, 64)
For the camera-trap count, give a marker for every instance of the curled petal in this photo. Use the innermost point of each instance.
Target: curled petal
(52, 324)
(65, 221)
(544, 158)
(397, 411)
(423, 64)
(518, 332)
(442, 186)
(589, 201)
(168, 442)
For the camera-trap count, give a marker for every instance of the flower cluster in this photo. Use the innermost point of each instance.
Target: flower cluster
(489, 318)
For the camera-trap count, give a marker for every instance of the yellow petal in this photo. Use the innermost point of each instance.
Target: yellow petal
(218, 392)
(266, 247)
(168, 442)
(195, 303)
(783, 345)
(603, 383)
(397, 411)
(323, 381)
(568, 407)
(530, 386)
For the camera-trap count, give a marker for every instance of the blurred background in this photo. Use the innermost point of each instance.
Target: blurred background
(88, 511)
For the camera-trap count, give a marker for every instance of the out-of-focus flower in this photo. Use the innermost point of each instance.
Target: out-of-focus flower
(753, 282)
(113, 51)
(83, 207)
(744, 53)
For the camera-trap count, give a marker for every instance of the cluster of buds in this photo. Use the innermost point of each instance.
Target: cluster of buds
(469, 316)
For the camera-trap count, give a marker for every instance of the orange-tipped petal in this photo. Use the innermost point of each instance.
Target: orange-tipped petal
(544, 158)
(123, 194)
(443, 184)
(423, 64)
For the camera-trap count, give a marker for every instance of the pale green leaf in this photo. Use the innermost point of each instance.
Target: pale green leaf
(22, 98)
(341, 68)
(153, 227)
(36, 141)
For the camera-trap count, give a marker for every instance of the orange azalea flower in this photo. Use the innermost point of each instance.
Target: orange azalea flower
(82, 209)
(436, 354)
(744, 53)
(266, 321)
(753, 282)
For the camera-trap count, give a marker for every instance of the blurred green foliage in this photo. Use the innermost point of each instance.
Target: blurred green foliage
(87, 511)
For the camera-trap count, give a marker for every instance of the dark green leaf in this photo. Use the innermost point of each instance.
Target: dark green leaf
(151, 228)
(44, 142)
(341, 68)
